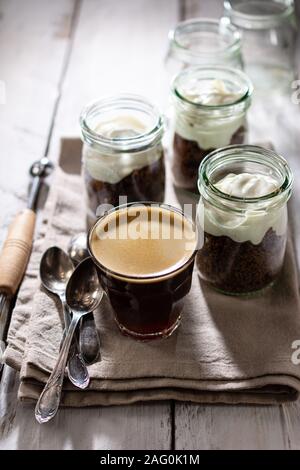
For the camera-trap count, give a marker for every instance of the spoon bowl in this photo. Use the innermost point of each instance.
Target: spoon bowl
(55, 270)
(84, 291)
(77, 248)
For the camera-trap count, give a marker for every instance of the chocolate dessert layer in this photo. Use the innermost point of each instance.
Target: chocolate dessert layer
(187, 156)
(144, 184)
(241, 268)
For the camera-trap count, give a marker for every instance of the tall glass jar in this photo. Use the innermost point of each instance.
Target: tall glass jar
(268, 29)
(210, 107)
(242, 218)
(203, 42)
(122, 153)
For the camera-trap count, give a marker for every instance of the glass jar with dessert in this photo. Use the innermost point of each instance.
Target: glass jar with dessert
(242, 218)
(210, 109)
(269, 32)
(122, 157)
(203, 42)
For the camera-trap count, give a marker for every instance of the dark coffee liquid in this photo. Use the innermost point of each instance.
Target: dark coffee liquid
(145, 278)
(148, 309)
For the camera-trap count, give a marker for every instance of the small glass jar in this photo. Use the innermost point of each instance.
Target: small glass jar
(210, 107)
(242, 238)
(268, 30)
(122, 154)
(203, 42)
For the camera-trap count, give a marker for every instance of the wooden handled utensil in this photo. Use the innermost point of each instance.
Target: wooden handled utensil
(17, 247)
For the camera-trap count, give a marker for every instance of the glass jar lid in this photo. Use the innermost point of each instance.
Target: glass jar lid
(204, 41)
(239, 159)
(125, 122)
(258, 14)
(213, 88)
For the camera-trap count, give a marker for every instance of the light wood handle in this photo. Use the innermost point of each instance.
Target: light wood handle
(16, 251)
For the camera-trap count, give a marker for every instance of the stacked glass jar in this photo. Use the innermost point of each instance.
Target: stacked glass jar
(122, 153)
(244, 190)
(203, 42)
(210, 107)
(268, 31)
(242, 218)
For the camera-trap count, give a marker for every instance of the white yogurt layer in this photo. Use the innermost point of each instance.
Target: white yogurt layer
(209, 92)
(247, 185)
(254, 223)
(210, 132)
(112, 168)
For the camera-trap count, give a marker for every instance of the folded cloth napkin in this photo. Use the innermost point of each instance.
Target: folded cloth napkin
(227, 349)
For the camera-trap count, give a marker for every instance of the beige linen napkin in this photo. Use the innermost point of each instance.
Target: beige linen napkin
(227, 350)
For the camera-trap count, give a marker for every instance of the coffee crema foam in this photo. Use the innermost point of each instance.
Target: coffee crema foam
(143, 242)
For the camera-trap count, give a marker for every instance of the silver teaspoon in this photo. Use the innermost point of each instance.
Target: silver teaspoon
(83, 295)
(56, 269)
(88, 335)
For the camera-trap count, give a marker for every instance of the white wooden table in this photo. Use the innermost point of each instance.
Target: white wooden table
(55, 57)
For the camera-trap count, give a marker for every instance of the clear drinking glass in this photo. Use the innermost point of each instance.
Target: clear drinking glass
(147, 301)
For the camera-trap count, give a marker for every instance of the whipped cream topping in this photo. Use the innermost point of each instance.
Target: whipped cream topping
(252, 224)
(113, 167)
(247, 185)
(209, 132)
(121, 127)
(209, 92)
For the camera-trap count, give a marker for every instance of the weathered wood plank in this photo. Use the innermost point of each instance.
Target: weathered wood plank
(30, 76)
(118, 50)
(229, 427)
(124, 427)
(223, 427)
(291, 420)
(202, 9)
(114, 50)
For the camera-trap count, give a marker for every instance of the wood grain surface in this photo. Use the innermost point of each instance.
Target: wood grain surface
(55, 57)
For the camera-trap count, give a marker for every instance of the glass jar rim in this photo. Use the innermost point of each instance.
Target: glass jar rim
(235, 153)
(207, 72)
(146, 278)
(256, 21)
(122, 101)
(202, 23)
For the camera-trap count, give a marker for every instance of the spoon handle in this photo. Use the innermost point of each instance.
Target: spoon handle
(66, 312)
(48, 403)
(89, 339)
(77, 371)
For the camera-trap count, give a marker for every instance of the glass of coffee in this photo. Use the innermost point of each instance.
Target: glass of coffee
(145, 256)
